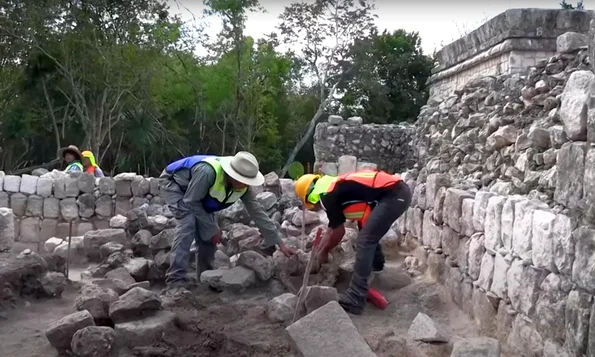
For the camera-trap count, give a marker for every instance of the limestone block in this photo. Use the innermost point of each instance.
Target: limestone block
(507, 225)
(524, 340)
(589, 178)
(347, 164)
(311, 334)
(523, 227)
(123, 205)
(439, 205)
(433, 184)
(504, 136)
(28, 184)
(550, 309)
(363, 166)
(12, 183)
(418, 215)
(123, 188)
(155, 190)
(69, 209)
(493, 222)
(34, 206)
(418, 199)
(29, 230)
(571, 168)
(453, 202)
(48, 229)
(7, 229)
(104, 206)
(2, 175)
(409, 222)
(401, 223)
(476, 252)
(107, 186)
(71, 186)
(523, 286)
(469, 347)
(542, 240)
(578, 308)
(355, 121)
(573, 107)
(60, 333)
(329, 168)
(140, 186)
(486, 272)
(430, 232)
(583, 268)
(571, 41)
(83, 227)
(44, 187)
(139, 201)
(51, 207)
(18, 204)
(86, 205)
(564, 244)
(335, 119)
(479, 209)
(462, 254)
(59, 187)
(499, 285)
(86, 183)
(449, 241)
(4, 200)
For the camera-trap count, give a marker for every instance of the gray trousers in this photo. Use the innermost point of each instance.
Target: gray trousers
(186, 232)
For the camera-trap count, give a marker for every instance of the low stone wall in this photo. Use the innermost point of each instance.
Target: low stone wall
(508, 43)
(44, 206)
(386, 146)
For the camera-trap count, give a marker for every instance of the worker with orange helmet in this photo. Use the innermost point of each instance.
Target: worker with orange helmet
(374, 199)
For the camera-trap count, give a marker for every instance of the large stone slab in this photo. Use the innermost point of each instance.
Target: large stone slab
(424, 329)
(453, 203)
(476, 347)
(133, 304)
(467, 228)
(550, 309)
(523, 227)
(60, 333)
(93, 240)
(328, 329)
(493, 222)
(28, 184)
(439, 205)
(479, 209)
(476, 252)
(486, 272)
(524, 340)
(523, 284)
(542, 240)
(583, 268)
(573, 106)
(347, 164)
(578, 309)
(499, 281)
(430, 232)
(7, 229)
(145, 331)
(433, 183)
(571, 168)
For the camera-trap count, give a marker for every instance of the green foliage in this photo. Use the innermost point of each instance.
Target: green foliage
(121, 78)
(296, 170)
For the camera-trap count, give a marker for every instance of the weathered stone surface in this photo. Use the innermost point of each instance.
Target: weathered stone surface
(453, 203)
(53, 283)
(417, 223)
(439, 205)
(524, 340)
(237, 279)
(96, 300)
(467, 228)
(430, 232)
(347, 164)
(317, 296)
(499, 286)
(523, 227)
(523, 286)
(578, 309)
(163, 240)
(107, 186)
(328, 329)
(571, 168)
(550, 309)
(138, 268)
(507, 221)
(133, 303)
(504, 136)
(7, 229)
(571, 41)
(93, 341)
(145, 331)
(18, 204)
(583, 268)
(34, 206)
(69, 209)
(486, 272)
(122, 276)
(44, 187)
(30, 230)
(86, 183)
(433, 183)
(140, 186)
(282, 307)
(476, 252)
(493, 222)
(424, 329)
(28, 184)
(476, 347)
(267, 200)
(51, 207)
(123, 188)
(542, 241)
(118, 221)
(479, 209)
(450, 241)
(12, 183)
(60, 333)
(262, 266)
(86, 205)
(573, 108)
(93, 240)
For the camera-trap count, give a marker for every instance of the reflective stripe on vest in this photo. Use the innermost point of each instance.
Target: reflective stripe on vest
(74, 163)
(218, 198)
(373, 179)
(358, 212)
(320, 187)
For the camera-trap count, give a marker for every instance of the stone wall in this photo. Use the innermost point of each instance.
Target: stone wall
(44, 206)
(508, 43)
(367, 145)
(503, 203)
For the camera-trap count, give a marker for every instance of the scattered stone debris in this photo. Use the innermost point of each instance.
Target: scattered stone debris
(135, 302)
(94, 341)
(60, 333)
(476, 347)
(424, 329)
(282, 307)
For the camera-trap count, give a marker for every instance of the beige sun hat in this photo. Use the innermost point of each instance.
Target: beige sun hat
(242, 167)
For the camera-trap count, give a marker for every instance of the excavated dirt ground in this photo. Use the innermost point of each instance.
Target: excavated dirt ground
(225, 324)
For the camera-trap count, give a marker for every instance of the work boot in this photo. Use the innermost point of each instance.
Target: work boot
(176, 291)
(349, 305)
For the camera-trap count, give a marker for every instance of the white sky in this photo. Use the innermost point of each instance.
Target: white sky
(441, 23)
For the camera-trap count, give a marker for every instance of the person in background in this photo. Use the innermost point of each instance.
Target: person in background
(73, 158)
(194, 188)
(373, 199)
(90, 164)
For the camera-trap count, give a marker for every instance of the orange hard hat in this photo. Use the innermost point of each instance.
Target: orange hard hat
(303, 187)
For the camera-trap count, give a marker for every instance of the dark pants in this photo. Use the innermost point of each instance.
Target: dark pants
(369, 253)
(186, 232)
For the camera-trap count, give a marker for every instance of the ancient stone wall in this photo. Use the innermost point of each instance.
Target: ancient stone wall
(503, 203)
(508, 43)
(44, 206)
(387, 147)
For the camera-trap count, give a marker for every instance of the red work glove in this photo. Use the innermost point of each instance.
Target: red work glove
(217, 238)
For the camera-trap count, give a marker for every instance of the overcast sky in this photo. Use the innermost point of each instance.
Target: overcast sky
(441, 21)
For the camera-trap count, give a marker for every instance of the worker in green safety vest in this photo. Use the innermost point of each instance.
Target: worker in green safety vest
(73, 159)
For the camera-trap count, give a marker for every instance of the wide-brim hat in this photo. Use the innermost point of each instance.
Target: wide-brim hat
(242, 167)
(71, 149)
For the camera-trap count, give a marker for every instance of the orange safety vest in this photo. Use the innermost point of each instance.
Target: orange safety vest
(90, 170)
(360, 211)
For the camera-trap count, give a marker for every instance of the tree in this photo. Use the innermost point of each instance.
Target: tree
(390, 77)
(323, 32)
